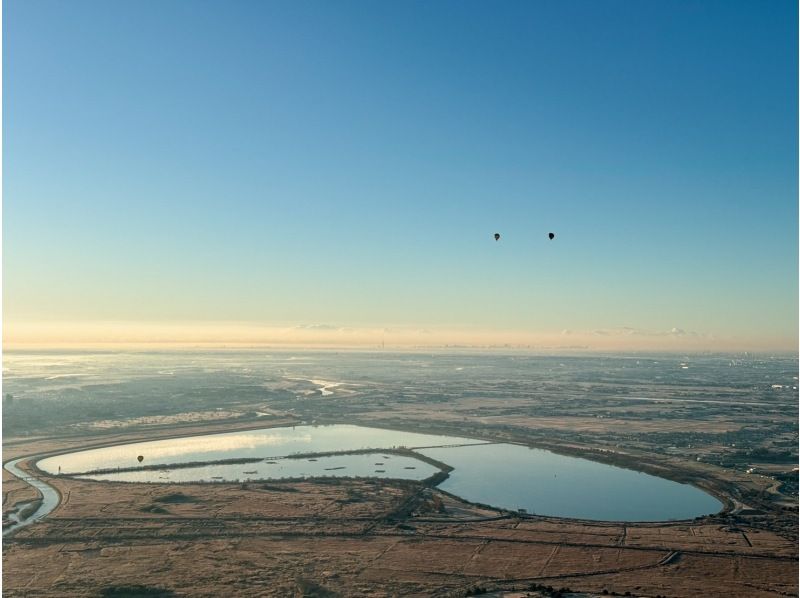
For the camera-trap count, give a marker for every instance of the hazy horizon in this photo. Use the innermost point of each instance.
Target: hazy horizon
(244, 335)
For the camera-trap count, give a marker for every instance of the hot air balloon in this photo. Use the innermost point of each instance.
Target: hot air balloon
(140, 458)
(551, 236)
(497, 236)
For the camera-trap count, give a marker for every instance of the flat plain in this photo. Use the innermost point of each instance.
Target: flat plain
(726, 429)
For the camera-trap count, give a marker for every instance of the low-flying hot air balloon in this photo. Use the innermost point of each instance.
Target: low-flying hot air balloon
(140, 458)
(497, 236)
(551, 236)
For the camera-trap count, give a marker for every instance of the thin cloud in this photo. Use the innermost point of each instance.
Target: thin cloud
(630, 331)
(316, 327)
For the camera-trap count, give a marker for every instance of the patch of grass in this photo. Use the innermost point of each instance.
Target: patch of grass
(154, 509)
(353, 496)
(275, 488)
(311, 589)
(175, 498)
(135, 591)
(29, 509)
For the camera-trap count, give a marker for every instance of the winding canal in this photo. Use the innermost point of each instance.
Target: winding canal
(50, 498)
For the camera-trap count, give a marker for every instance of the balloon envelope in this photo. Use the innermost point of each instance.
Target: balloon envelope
(140, 458)
(551, 235)
(497, 236)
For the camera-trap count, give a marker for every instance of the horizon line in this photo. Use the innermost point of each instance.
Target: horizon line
(19, 335)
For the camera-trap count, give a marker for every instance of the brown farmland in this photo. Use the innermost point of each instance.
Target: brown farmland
(353, 537)
(371, 538)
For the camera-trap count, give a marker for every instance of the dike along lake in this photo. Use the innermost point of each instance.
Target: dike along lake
(502, 475)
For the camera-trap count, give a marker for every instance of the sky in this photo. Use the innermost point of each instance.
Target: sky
(333, 172)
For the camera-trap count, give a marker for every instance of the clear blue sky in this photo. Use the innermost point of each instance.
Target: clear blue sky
(347, 163)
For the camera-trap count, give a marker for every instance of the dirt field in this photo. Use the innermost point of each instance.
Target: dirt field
(360, 538)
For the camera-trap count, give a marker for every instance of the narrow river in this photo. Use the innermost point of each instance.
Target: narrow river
(50, 498)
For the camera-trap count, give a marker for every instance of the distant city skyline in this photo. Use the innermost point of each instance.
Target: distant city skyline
(329, 174)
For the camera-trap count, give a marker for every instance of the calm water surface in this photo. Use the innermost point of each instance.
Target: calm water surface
(501, 475)
(369, 465)
(271, 442)
(50, 498)
(541, 482)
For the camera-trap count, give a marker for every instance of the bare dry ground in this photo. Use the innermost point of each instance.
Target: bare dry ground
(362, 538)
(16, 491)
(388, 538)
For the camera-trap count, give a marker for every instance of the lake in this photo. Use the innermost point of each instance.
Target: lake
(502, 475)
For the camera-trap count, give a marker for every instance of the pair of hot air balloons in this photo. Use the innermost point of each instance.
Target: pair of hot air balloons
(550, 236)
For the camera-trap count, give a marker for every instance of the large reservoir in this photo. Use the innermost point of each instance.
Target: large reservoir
(502, 475)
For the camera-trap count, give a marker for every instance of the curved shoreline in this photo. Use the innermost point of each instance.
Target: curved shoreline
(629, 462)
(642, 463)
(49, 501)
(431, 481)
